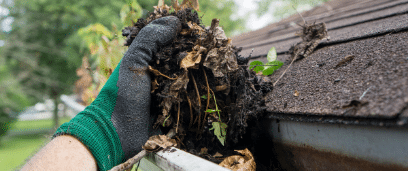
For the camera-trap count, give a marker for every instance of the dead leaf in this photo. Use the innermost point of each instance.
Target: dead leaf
(217, 154)
(221, 60)
(240, 163)
(193, 58)
(204, 151)
(192, 4)
(180, 83)
(158, 142)
(155, 85)
(296, 93)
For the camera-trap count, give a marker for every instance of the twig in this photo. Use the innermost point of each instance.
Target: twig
(158, 73)
(178, 116)
(129, 163)
(199, 100)
(285, 71)
(191, 111)
(208, 95)
(208, 92)
(216, 106)
(364, 93)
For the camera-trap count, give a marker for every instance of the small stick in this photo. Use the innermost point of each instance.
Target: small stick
(130, 162)
(158, 73)
(208, 95)
(285, 71)
(199, 100)
(178, 116)
(208, 91)
(191, 111)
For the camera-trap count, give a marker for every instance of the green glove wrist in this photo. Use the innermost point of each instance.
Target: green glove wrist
(93, 126)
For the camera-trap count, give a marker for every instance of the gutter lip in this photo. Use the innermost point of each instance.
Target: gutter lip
(397, 121)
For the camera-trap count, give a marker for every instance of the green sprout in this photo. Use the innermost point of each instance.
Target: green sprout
(218, 127)
(271, 66)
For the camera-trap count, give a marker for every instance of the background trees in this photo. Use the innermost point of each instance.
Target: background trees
(49, 38)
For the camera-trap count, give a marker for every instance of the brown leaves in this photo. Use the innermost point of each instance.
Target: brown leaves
(193, 58)
(175, 88)
(221, 59)
(186, 4)
(193, 28)
(240, 163)
(158, 142)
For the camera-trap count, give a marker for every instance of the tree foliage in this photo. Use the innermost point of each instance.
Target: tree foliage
(49, 38)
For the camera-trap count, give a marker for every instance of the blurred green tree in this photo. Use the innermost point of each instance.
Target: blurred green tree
(43, 50)
(288, 7)
(13, 98)
(46, 43)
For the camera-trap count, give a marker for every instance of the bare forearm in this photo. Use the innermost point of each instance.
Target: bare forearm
(62, 153)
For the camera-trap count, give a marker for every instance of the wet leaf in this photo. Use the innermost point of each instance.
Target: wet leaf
(193, 58)
(220, 131)
(271, 55)
(212, 110)
(256, 68)
(240, 163)
(268, 70)
(205, 97)
(158, 142)
(217, 154)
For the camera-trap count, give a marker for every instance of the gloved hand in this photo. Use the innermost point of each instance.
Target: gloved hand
(116, 125)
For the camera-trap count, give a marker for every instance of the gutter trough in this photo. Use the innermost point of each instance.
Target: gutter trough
(318, 146)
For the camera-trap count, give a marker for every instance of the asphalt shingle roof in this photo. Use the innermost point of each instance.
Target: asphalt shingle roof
(374, 32)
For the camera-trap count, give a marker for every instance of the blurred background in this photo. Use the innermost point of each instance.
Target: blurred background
(55, 56)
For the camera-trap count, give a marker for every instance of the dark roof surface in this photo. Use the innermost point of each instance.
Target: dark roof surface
(373, 84)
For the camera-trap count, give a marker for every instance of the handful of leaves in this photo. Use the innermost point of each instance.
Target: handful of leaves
(199, 88)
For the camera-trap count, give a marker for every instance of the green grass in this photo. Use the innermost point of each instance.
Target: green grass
(36, 124)
(15, 150)
(24, 140)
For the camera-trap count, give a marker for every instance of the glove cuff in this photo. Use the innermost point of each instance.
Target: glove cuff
(93, 127)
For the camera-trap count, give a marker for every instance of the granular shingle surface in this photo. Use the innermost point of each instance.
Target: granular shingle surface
(374, 84)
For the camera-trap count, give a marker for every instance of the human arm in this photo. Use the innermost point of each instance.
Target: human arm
(62, 153)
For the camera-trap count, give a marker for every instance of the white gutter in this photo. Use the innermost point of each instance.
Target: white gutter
(382, 145)
(177, 160)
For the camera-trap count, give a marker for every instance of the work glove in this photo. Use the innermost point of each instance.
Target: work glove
(117, 123)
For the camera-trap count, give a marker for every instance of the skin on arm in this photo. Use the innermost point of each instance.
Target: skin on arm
(64, 152)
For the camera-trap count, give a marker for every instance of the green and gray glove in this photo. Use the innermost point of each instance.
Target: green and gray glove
(116, 125)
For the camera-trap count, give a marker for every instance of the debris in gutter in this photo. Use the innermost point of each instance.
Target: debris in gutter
(240, 163)
(311, 35)
(346, 59)
(296, 93)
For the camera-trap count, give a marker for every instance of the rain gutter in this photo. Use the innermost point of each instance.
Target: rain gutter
(325, 146)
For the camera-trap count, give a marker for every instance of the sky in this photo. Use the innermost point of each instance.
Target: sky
(246, 8)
